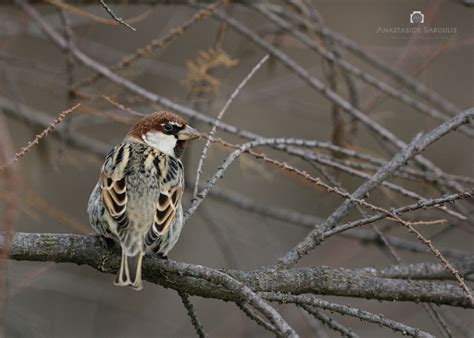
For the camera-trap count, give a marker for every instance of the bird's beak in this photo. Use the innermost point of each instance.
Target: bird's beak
(188, 133)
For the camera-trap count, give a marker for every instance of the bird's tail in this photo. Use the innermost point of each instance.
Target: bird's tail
(130, 272)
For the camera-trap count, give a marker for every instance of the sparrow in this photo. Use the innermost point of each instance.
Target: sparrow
(137, 200)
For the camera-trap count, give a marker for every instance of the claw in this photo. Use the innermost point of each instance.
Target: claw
(161, 256)
(108, 243)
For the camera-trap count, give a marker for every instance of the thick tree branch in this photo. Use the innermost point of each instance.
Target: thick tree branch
(197, 280)
(428, 271)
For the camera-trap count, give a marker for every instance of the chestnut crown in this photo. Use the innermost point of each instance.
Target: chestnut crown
(164, 131)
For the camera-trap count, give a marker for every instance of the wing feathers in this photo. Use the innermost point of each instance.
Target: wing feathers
(114, 185)
(166, 209)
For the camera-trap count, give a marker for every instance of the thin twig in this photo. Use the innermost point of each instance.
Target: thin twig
(162, 42)
(316, 84)
(192, 314)
(422, 204)
(115, 17)
(322, 159)
(400, 159)
(438, 319)
(375, 61)
(70, 71)
(347, 310)
(353, 70)
(329, 322)
(256, 318)
(38, 137)
(210, 136)
(121, 106)
(95, 18)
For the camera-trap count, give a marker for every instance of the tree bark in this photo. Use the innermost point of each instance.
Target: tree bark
(360, 283)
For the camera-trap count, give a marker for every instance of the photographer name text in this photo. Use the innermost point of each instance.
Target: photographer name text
(417, 30)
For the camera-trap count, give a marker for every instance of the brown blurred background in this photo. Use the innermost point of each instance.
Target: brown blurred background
(64, 300)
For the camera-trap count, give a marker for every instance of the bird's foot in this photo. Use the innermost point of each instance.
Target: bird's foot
(161, 256)
(107, 243)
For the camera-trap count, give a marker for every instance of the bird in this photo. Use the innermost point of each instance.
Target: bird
(137, 199)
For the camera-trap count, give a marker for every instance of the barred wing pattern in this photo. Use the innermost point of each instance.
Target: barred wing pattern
(169, 201)
(113, 183)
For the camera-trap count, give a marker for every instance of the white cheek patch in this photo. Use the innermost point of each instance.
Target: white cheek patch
(162, 142)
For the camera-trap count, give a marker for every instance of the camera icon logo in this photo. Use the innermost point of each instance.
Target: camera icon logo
(417, 17)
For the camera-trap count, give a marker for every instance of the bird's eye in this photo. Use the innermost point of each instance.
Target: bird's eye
(168, 127)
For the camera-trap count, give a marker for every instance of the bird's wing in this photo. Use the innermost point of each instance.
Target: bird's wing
(169, 200)
(113, 183)
(166, 208)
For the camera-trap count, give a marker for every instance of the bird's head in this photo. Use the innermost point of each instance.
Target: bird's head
(164, 131)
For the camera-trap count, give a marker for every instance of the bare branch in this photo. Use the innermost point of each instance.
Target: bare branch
(398, 160)
(154, 44)
(420, 106)
(328, 93)
(115, 17)
(256, 318)
(40, 136)
(423, 271)
(192, 314)
(331, 323)
(420, 205)
(210, 136)
(344, 309)
(206, 282)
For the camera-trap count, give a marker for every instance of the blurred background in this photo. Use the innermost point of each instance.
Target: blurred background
(52, 183)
